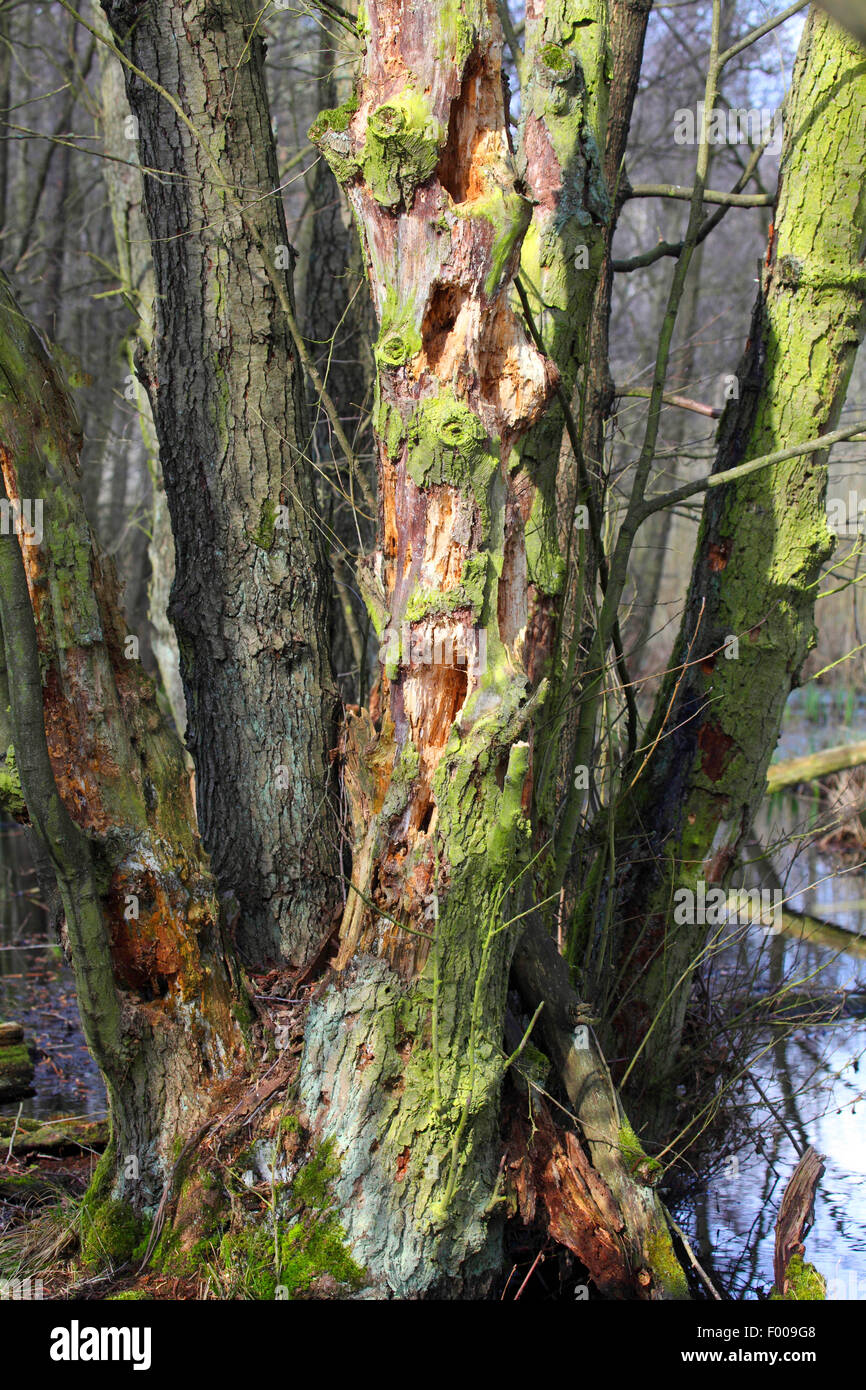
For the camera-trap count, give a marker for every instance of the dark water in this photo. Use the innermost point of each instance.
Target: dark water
(813, 1077)
(37, 989)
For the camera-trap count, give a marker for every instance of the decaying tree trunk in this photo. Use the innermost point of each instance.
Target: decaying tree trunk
(405, 1052)
(795, 1219)
(103, 779)
(762, 542)
(410, 1090)
(250, 592)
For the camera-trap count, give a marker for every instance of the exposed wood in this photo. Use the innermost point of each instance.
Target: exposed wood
(796, 1214)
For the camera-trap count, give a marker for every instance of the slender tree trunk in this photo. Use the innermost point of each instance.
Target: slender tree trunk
(760, 550)
(102, 777)
(125, 200)
(249, 601)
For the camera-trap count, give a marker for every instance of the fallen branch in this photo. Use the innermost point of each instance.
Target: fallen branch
(812, 765)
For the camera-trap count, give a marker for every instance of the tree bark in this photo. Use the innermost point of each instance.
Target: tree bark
(249, 601)
(125, 200)
(102, 776)
(761, 545)
(404, 1055)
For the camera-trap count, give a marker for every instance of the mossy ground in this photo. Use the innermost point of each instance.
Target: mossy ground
(231, 1235)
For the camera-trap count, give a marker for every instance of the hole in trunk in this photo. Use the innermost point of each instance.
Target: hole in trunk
(443, 308)
(455, 166)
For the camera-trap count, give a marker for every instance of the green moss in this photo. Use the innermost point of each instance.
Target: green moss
(399, 339)
(128, 1296)
(111, 1233)
(260, 1262)
(805, 1283)
(665, 1266)
(263, 536)
(557, 60)
(647, 1170)
(312, 1186)
(401, 149)
(16, 1064)
(307, 1255)
(11, 796)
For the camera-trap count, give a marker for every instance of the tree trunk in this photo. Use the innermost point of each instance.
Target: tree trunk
(404, 1056)
(125, 200)
(761, 546)
(102, 776)
(249, 601)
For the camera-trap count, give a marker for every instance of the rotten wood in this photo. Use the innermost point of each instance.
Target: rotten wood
(796, 1215)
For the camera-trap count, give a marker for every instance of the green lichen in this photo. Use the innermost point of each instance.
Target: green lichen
(447, 443)
(510, 215)
(330, 134)
(647, 1170)
(805, 1283)
(545, 566)
(457, 34)
(469, 593)
(401, 149)
(11, 796)
(399, 339)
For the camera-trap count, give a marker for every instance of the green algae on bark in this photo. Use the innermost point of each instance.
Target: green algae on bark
(760, 549)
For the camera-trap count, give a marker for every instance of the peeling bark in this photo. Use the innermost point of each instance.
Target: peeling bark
(404, 1058)
(404, 1055)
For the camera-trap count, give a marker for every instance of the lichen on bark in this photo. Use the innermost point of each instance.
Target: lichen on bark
(760, 549)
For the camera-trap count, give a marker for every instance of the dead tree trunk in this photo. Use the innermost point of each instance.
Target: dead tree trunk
(404, 1055)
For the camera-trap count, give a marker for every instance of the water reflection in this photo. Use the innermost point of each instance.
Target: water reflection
(37, 989)
(811, 1076)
